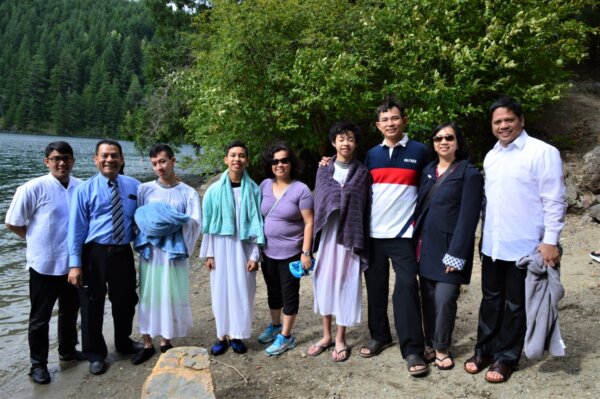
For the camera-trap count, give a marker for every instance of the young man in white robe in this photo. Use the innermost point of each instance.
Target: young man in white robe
(164, 307)
(233, 231)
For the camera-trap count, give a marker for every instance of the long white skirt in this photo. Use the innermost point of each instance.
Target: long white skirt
(164, 307)
(337, 280)
(232, 288)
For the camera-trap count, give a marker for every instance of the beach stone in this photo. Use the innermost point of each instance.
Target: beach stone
(595, 212)
(180, 373)
(591, 171)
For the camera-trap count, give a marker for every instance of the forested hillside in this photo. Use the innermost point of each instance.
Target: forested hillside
(71, 66)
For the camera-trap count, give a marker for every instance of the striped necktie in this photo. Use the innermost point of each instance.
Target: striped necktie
(117, 212)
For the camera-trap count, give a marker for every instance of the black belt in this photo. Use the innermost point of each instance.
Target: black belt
(110, 247)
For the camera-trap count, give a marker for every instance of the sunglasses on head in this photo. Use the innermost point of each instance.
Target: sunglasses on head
(283, 161)
(438, 139)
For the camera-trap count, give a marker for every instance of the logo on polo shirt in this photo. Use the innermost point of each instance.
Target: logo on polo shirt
(410, 160)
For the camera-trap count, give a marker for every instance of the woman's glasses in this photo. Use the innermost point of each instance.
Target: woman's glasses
(438, 139)
(283, 161)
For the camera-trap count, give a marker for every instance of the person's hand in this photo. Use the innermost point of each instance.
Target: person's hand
(450, 269)
(324, 161)
(306, 261)
(74, 276)
(550, 253)
(252, 266)
(209, 264)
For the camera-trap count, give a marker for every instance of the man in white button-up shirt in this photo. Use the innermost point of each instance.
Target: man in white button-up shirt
(524, 212)
(39, 214)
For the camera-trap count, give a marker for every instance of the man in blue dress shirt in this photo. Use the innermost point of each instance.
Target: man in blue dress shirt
(101, 228)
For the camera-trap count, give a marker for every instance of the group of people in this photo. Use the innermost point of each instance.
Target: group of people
(396, 206)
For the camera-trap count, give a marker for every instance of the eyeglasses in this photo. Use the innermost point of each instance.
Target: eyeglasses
(438, 139)
(64, 158)
(283, 161)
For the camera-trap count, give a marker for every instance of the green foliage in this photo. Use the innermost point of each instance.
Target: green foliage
(270, 69)
(66, 65)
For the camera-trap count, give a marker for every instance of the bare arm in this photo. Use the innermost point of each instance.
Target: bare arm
(21, 231)
(307, 216)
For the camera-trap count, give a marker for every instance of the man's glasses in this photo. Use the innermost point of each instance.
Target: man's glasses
(438, 139)
(283, 161)
(64, 158)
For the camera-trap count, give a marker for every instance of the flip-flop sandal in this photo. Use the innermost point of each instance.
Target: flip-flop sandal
(480, 363)
(416, 360)
(503, 369)
(318, 348)
(335, 355)
(375, 347)
(429, 355)
(439, 361)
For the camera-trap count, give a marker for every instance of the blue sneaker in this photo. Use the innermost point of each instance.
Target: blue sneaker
(269, 334)
(281, 345)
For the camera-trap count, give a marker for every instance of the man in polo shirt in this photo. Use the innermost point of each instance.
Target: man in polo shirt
(395, 167)
(39, 214)
(524, 214)
(101, 228)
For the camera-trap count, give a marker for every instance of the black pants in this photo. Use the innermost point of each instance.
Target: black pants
(107, 269)
(283, 289)
(502, 319)
(44, 290)
(407, 305)
(439, 311)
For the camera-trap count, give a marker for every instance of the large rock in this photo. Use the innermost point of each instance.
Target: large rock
(591, 171)
(180, 373)
(595, 212)
(572, 192)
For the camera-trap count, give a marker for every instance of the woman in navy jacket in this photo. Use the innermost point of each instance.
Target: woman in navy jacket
(446, 223)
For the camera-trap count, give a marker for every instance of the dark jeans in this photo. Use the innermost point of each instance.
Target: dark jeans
(107, 269)
(44, 290)
(283, 289)
(502, 319)
(407, 306)
(439, 311)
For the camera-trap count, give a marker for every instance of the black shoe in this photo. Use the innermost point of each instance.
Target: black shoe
(133, 348)
(219, 347)
(238, 346)
(143, 355)
(74, 355)
(39, 374)
(98, 367)
(164, 348)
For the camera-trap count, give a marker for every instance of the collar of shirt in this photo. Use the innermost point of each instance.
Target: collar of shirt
(519, 143)
(402, 142)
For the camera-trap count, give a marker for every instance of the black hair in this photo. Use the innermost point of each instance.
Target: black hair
(341, 127)
(109, 142)
(462, 152)
(59, 146)
(270, 153)
(389, 103)
(158, 148)
(506, 102)
(236, 143)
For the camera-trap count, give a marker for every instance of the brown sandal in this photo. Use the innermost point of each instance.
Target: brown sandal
(480, 363)
(503, 369)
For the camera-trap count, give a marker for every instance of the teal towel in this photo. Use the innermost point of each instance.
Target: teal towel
(218, 209)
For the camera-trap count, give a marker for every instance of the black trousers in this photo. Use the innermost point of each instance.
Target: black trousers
(405, 299)
(44, 290)
(439, 311)
(502, 319)
(283, 289)
(107, 269)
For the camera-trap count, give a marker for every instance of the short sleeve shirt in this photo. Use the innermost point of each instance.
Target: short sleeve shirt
(284, 225)
(42, 204)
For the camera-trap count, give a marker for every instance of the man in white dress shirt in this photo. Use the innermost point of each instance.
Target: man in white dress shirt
(39, 214)
(524, 212)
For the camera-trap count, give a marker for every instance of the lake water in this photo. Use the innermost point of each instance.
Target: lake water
(23, 160)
